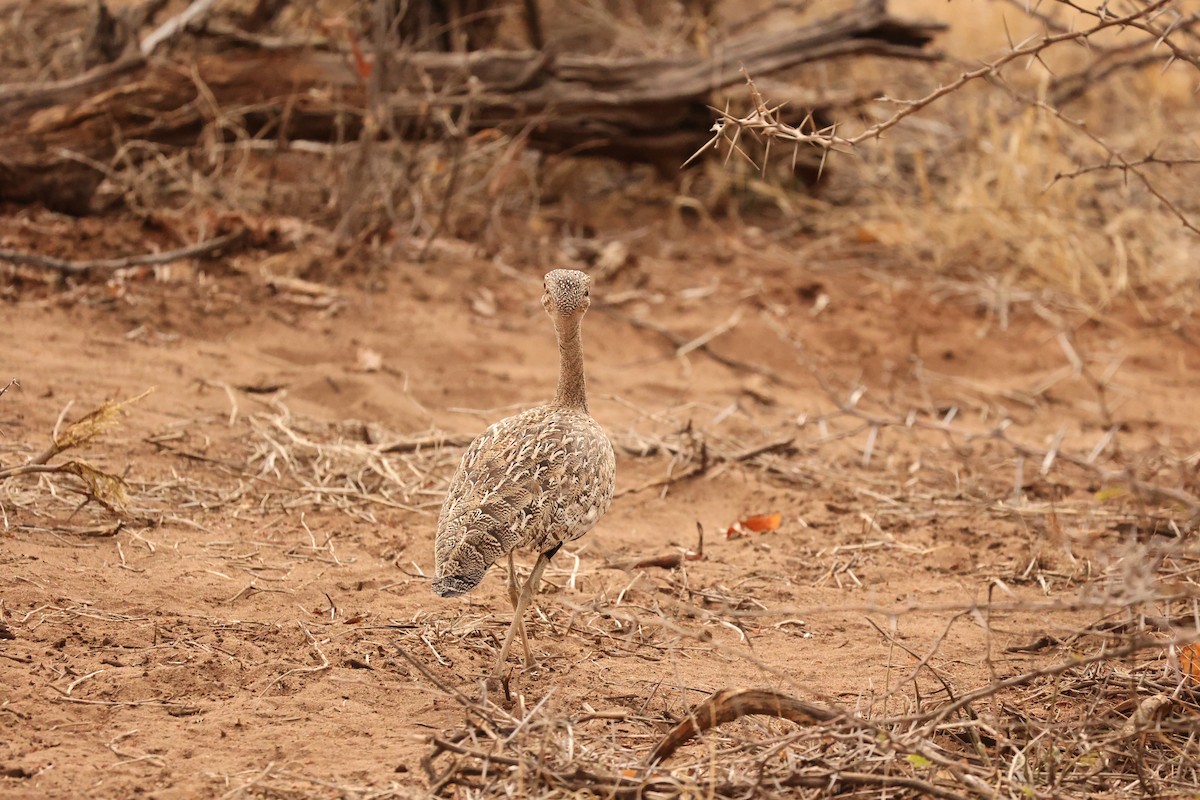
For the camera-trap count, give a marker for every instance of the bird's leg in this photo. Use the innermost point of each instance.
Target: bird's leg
(512, 580)
(514, 596)
(523, 599)
(530, 589)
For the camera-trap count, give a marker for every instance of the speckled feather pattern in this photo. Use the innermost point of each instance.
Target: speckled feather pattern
(531, 481)
(535, 480)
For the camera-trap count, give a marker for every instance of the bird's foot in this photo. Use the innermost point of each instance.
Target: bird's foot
(497, 686)
(503, 669)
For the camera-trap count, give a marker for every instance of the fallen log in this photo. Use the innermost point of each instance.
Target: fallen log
(654, 109)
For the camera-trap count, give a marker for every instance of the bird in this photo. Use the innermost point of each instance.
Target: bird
(533, 481)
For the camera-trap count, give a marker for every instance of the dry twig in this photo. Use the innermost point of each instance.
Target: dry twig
(65, 267)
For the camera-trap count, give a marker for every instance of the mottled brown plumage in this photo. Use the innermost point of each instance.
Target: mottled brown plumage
(532, 481)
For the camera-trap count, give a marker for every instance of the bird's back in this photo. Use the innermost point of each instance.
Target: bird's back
(531, 481)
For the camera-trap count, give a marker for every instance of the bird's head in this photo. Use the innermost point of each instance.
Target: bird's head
(566, 296)
(454, 585)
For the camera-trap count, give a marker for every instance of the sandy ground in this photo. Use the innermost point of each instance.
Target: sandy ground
(243, 627)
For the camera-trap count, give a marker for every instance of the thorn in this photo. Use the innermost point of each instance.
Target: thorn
(733, 145)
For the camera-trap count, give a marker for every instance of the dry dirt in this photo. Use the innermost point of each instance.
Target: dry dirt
(240, 633)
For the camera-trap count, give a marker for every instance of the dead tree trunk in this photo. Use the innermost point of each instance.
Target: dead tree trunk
(644, 108)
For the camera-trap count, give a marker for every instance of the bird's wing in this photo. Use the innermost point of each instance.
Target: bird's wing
(494, 496)
(534, 481)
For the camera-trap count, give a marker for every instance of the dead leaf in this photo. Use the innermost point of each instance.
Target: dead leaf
(284, 283)
(762, 523)
(304, 293)
(486, 136)
(671, 560)
(1189, 662)
(1144, 715)
(368, 360)
(106, 489)
(361, 65)
(886, 233)
(483, 302)
(613, 256)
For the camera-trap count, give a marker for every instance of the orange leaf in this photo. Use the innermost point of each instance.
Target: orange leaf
(763, 523)
(361, 65)
(1189, 662)
(486, 136)
(865, 235)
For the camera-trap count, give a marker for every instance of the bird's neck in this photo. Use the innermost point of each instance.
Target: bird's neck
(571, 392)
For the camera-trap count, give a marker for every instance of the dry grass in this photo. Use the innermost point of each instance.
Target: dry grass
(92, 483)
(1053, 166)
(1107, 711)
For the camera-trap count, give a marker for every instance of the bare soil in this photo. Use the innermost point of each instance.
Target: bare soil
(238, 632)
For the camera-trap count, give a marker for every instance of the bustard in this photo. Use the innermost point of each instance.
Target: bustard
(532, 481)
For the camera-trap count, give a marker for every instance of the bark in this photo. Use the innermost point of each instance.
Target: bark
(645, 108)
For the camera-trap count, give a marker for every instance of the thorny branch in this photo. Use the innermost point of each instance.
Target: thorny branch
(765, 123)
